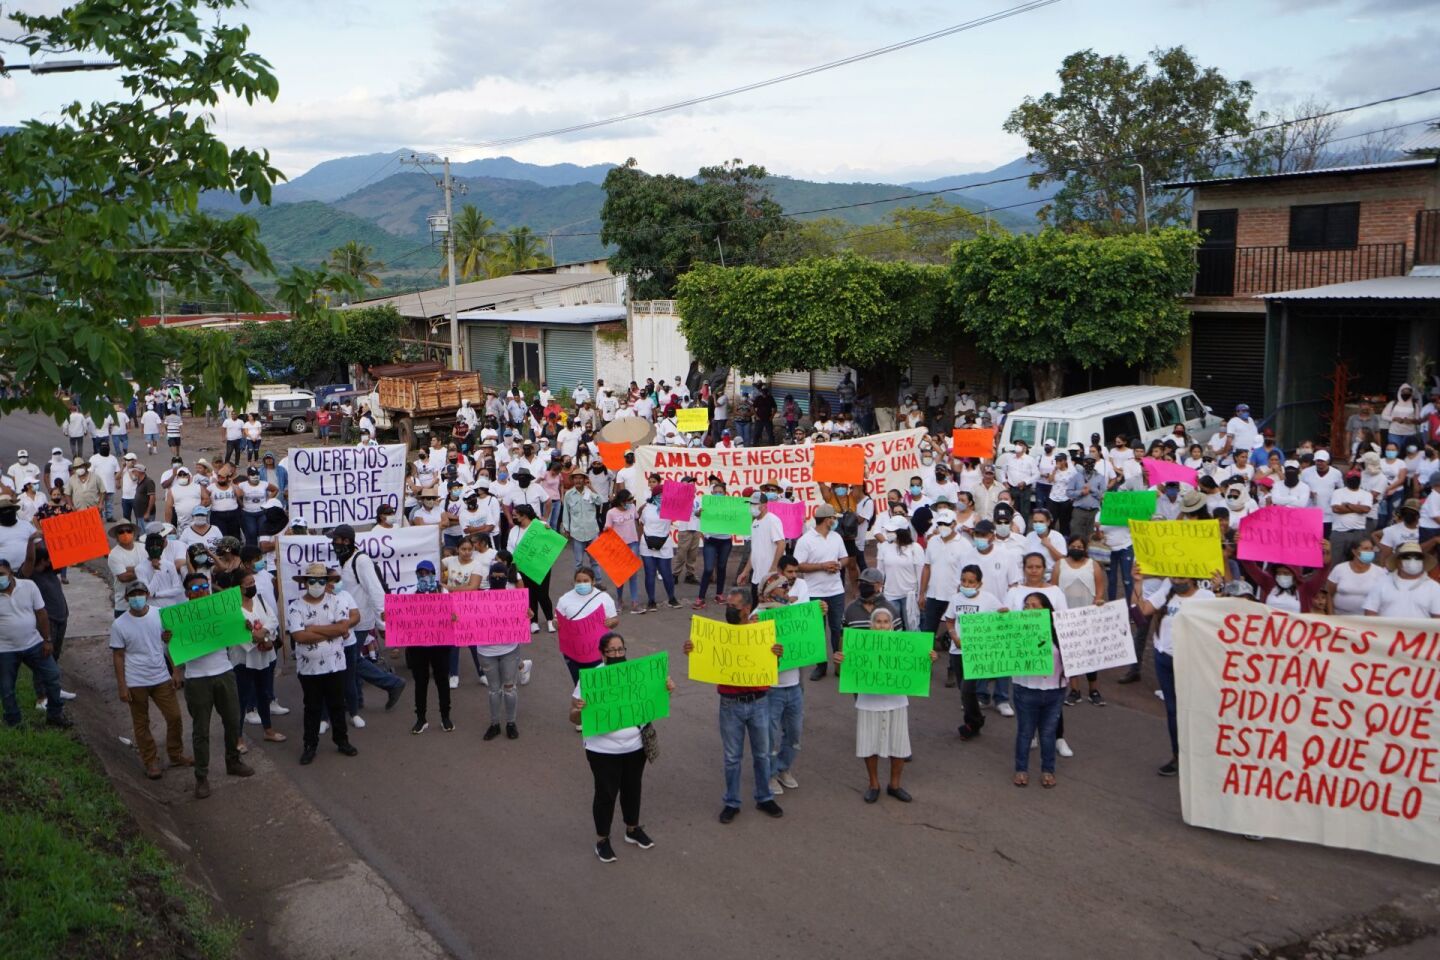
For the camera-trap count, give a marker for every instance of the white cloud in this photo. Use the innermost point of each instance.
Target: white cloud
(1387, 67)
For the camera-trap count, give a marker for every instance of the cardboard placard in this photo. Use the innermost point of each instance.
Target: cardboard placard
(1288, 535)
(677, 501)
(1119, 507)
(1178, 548)
(692, 419)
(887, 662)
(725, 515)
(614, 557)
(791, 514)
(204, 625)
(800, 630)
(621, 695)
(973, 442)
(74, 537)
(537, 550)
(837, 464)
(737, 655)
(1012, 644)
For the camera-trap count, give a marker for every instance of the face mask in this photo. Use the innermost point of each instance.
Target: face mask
(969, 591)
(1076, 553)
(755, 510)
(523, 482)
(426, 583)
(867, 590)
(248, 592)
(1367, 556)
(1042, 528)
(1353, 483)
(842, 491)
(202, 561)
(732, 615)
(184, 481)
(137, 603)
(1284, 581)
(584, 588)
(1412, 566)
(772, 497)
(259, 566)
(315, 590)
(344, 551)
(8, 515)
(1003, 532)
(915, 490)
(982, 544)
(1391, 454)
(454, 497)
(619, 659)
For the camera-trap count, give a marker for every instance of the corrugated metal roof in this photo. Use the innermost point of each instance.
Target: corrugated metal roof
(482, 293)
(1382, 288)
(583, 315)
(1424, 140)
(1359, 168)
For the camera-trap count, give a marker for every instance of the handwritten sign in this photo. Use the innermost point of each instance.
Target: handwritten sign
(737, 655)
(621, 695)
(1119, 507)
(725, 515)
(613, 454)
(202, 626)
(837, 464)
(329, 486)
(972, 442)
(1013, 644)
(800, 630)
(614, 557)
(491, 617)
(1158, 472)
(792, 516)
(537, 550)
(1289, 535)
(692, 419)
(677, 501)
(580, 639)
(395, 552)
(1298, 727)
(1177, 548)
(887, 661)
(419, 620)
(74, 537)
(1094, 638)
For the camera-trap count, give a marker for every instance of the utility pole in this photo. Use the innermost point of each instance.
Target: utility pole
(457, 358)
(1144, 213)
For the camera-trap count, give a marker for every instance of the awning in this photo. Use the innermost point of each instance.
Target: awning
(584, 315)
(1382, 288)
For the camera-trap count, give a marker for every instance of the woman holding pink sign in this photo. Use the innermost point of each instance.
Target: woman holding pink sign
(578, 644)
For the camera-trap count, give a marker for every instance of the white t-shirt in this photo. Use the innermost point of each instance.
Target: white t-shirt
(139, 637)
(254, 495)
(458, 574)
(945, 558)
(764, 534)
(224, 499)
(1398, 533)
(999, 568)
(982, 602)
(1162, 593)
(15, 542)
(106, 467)
(1404, 599)
(573, 606)
(211, 537)
(150, 423)
(234, 428)
(902, 567)
(813, 548)
(1350, 521)
(1015, 596)
(17, 616)
(1246, 435)
(1351, 588)
(1299, 495)
(327, 656)
(653, 525)
(120, 560)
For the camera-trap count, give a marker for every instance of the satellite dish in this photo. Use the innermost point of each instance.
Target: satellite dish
(632, 430)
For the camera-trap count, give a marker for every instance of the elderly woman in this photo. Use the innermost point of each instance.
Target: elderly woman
(882, 726)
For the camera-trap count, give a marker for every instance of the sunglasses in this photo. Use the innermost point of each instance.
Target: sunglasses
(199, 588)
(313, 580)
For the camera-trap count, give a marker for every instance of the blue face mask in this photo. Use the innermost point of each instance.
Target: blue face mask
(982, 545)
(584, 588)
(136, 603)
(1042, 528)
(969, 591)
(5, 582)
(915, 490)
(426, 583)
(259, 565)
(1391, 454)
(842, 491)
(1367, 556)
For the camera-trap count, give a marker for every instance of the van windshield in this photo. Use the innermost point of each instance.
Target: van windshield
(1023, 431)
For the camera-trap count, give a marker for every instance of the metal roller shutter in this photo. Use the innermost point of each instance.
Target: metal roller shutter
(798, 384)
(570, 358)
(1227, 363)
(490, 353)
(925, 366)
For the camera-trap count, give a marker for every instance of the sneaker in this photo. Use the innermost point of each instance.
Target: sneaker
(673, 604)
(1063, 748)
(640, 838)
(1096, 699)
(579, 728)
(347, 748)
(202, 788)
(357, 721)
(67, 695)
(698, 604)
(447, 724)
(491, 732)
(727, 814)
(324, 727)
(787, 780)
(239, 769)
(42, 703)
(775, 787)
(307, 756)
(967, 732)
(252, 718)
(984, 701)
(770, 807)
(1170, 769)
(454, 682)
(277, 709)
(1160, 695)
(636, 608)
(512, 732)
(393, 697)
(1072, 698)
(551, 627)
(1005, 709)
(650, 607)
(604, 851)
(534, 627)
(420, 727)
(484, 680)
(525, 667)
(1130, 677)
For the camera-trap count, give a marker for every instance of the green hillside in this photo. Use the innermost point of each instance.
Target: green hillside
(305, 233)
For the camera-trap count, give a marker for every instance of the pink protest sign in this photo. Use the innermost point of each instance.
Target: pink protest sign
(1288, 535)
(418, 620)
(677, 501)
(580, 639)
(792, 517)
(1163, 471)
(490, 617)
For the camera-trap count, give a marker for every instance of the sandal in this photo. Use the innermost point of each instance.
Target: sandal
(1022, 780)
(272, 736)
(1047, 780)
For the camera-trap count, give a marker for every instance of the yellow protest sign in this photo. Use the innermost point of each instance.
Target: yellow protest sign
(737, 655)
(692, 419)
(1177, 548)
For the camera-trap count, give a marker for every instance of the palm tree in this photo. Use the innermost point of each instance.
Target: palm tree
(476, 244)
(356, 259)
(520, 249)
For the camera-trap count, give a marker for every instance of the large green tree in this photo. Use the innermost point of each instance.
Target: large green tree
(100, 204)
(1178, 120)
(1040, 303)
(918, 234)
(312, 348)
(520, 249)
(661, 225)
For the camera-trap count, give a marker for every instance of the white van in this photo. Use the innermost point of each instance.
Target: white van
(1141, 413)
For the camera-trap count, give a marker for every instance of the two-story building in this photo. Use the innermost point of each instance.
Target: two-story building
(1308, 276)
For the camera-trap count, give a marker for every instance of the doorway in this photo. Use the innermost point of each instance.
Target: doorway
(525, 360)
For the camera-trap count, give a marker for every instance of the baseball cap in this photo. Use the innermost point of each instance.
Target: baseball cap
(758, 497)
(424, 566)
(136, 586)
(21, 453)
(1292, 464)
(872, 575)
(1322, 455)
(824, 511)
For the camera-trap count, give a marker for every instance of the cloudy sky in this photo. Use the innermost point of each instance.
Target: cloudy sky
(362, 76)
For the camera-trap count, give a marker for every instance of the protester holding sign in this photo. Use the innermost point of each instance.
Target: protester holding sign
(523, 518)
(144, 673)
(970, 598)
(1039, 703)
(583, 601)
(426, 662)
(623, 519)
(1082, 582)
(822, 555)
(255, 661)
(318, 623)
(787, 696)
(657, 550)
(1167, 596)
(715, 552)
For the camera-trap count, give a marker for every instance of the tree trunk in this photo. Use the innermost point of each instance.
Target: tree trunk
(1049, 379)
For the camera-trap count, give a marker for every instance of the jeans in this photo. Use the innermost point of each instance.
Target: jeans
(909, 619)
(616, 774)
(1165, 672)
(250, 526)
(971, 714)
(501, 673)
(716, 555)
(425, 662)
(120, 444)
(556, 507)
(127, 507)
(107, 506)
(662, 566)
(45, 669)
(163, 696)
(1036, 710)
(931, 612)
(57, 643)
(1023, 497)
(1122, 563)
(738, 718)
(256, 689)
(577, 551)
(1001, 690)
(324, 692)
(77, 447)
(204, 695)
(633, 582)
(787, 718)
(375, 675)
(834, 619)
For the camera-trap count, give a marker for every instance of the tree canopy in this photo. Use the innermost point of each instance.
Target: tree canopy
(102, 203)
(310, 348)
(918, 234)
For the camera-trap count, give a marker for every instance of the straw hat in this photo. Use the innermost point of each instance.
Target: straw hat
(1409, 550)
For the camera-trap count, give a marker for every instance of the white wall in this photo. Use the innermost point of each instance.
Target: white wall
(657, 346)
(613, 361)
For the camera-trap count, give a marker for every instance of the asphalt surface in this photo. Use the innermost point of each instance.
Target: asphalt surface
(491, 843)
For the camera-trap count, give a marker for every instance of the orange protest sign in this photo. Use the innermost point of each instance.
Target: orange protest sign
(75, 537)
(836, 464)
(613, 454)
(614, 556)
(973, 442)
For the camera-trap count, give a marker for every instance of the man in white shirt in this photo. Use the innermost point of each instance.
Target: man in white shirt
(22, 470)
(210, 688)
(1407, 592)
(945, 553)
(1350, 506)
(74, 430)
(25, 639)
(105, 468)
(767, 544)
(821, 553)
(234, 428)
(1324, 480)
(1021, 475)
(1243, 433)
(1290, 492)
(150, 424)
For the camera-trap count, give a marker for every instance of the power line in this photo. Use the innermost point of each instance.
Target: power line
(747, 88)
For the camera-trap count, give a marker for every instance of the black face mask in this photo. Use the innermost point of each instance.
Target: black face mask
(8, 516)
(867, 590)
(522, 482)
(1077, 553)
(344, 551)
(1353, 483)
(247, 592)
(732, 615)
(619, 659)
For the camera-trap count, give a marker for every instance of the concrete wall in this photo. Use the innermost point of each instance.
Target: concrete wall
(657, 347)
(614, 361)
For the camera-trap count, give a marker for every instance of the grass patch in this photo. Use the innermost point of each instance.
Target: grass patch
(77, 878)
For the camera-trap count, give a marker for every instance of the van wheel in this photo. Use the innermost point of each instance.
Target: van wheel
(298, 425)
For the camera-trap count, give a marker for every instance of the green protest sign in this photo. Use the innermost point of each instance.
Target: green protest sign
(198, 627)
(726, 515)
(800, 629)
(1119, 507)
(1014, 644)
(886, 661)
(537, 550)
(629, 694)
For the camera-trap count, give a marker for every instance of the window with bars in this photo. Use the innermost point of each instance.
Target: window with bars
(1325, 226)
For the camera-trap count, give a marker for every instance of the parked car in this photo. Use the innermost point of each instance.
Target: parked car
(331, 392)
(290, 412)
(1141, 413)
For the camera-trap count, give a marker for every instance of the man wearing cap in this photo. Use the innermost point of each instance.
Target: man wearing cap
(767, 545)
(22, 470)
(361, 580)
(822, 555)
(201, 530)
(210, 688)
(1290, 492)
(1323, 480)
(126, 557)
(524, 491)
(1408, 592)
(144, 674)
(25, 639)
(84, 488)
(318, 622)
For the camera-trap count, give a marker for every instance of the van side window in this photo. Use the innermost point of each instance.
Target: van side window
(1169, 413)
(1059, 431)
(1193, 409)
(1149, 413)
(1120, 424)
(1022, 431)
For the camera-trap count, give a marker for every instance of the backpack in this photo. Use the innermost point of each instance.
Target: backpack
(849, 525)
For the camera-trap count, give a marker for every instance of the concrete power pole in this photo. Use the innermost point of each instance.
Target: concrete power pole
(457, 353)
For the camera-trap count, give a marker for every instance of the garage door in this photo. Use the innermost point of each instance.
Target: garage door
(1227, 364)
(570, 359)
(489, 353)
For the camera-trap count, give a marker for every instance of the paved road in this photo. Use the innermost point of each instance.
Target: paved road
(491, 842)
